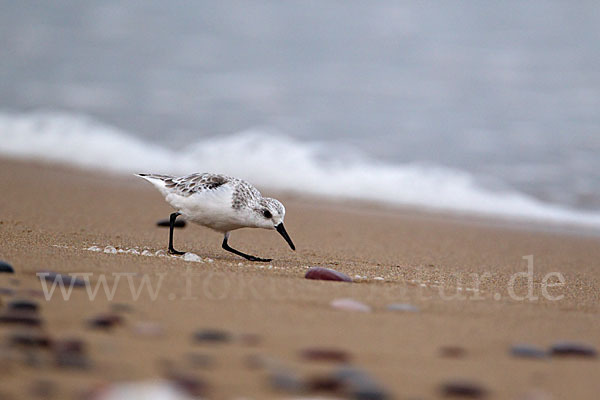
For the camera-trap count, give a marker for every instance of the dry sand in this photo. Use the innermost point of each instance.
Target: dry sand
(50, 215)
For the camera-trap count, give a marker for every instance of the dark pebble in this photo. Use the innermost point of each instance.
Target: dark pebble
(359, 385)
(23, 305)
(179, 223)
(6, 268)
(7, 291)
(70, 345)
(573, 349)
(287, 381)
(463, 388)
(190, 384)
(20, 318)
(67, 280)
(71, 353)
(528, 351)
(453, 352)
(326, 274)
(30, 339)
(323, 354)
(324, 384)
(212, 336)
(105, 321)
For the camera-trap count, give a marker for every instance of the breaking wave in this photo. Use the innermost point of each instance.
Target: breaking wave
(273, 160)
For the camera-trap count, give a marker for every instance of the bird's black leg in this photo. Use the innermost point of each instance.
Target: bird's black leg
(171, 227)
(239, 253)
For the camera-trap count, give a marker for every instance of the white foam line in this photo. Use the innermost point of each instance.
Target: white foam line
(308, 167)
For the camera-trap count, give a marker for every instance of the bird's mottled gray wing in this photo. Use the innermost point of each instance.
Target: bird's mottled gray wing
(244, 194)
(195, 183)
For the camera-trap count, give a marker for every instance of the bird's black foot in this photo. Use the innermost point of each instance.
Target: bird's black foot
(248, 257)
(176, 252)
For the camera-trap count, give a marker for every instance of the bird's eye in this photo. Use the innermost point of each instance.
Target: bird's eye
(267, 214)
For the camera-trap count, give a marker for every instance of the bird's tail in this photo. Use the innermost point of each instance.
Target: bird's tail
(154, 176)
(157, 180)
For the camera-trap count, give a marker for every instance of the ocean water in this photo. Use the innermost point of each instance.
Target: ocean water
(481, 107)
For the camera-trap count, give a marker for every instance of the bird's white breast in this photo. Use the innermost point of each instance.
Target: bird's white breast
(210, 208)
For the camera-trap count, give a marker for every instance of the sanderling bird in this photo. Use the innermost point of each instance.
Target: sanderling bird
(221, 203)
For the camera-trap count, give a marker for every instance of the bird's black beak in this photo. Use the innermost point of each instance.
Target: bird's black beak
(285, 235)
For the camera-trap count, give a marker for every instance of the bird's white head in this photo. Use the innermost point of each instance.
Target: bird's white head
(269, 214)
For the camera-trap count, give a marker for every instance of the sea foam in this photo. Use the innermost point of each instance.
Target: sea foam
(271, 160)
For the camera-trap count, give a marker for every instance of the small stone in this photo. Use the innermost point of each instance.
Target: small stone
(527, 351)
(402, 307)
(20, 318)
(287, 381)
(212, 336)
(105, 321)
(6, 268)
(453, 352)
(110, 250)
(325, 383)
(350, 305)
(147, 390)
(30, 339)
(463, 388)
(573, 349)
(67, 280)
(323, 354)
(179, 223)
(189, 384)
(359, 385)
(71, 353)
(202, 361)
(71, 345)
(326, 274)
(23, 305)
(7, 291)
(192, 257)
(148, 328)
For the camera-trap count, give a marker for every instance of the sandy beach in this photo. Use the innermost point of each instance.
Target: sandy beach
(458, 273)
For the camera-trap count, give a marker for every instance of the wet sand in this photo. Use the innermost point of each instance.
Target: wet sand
(51, 215)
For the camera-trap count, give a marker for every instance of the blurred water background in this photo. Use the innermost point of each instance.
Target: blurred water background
(476, 106)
